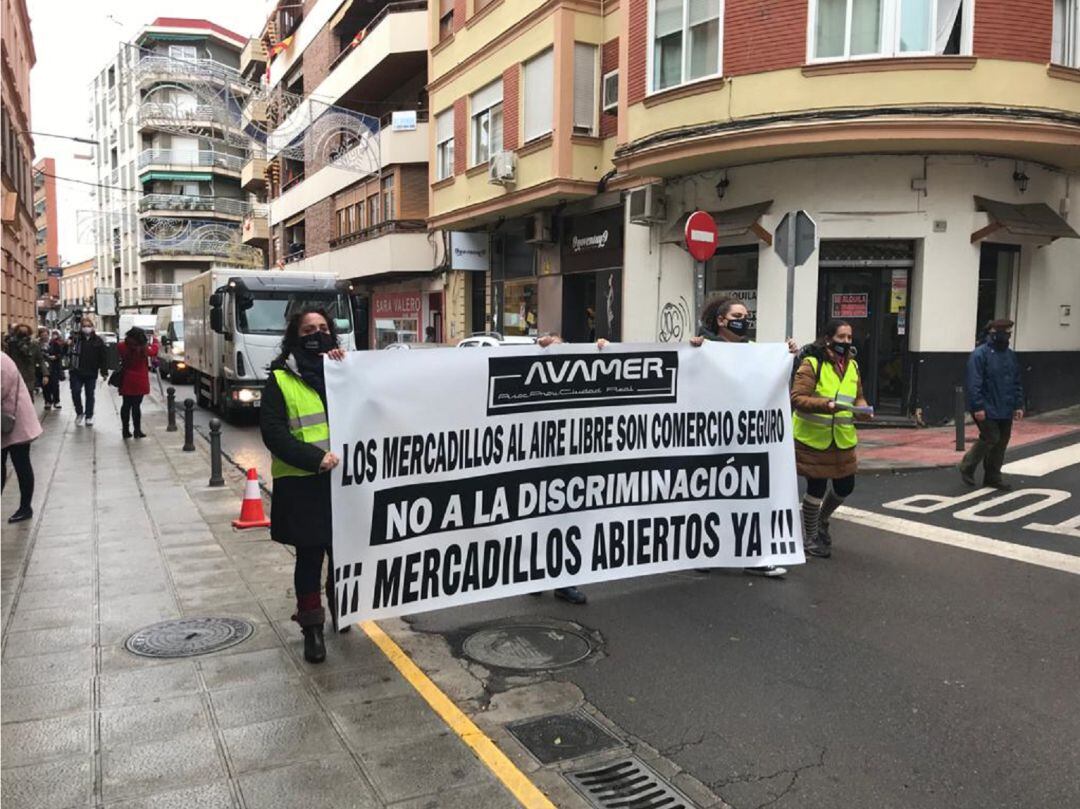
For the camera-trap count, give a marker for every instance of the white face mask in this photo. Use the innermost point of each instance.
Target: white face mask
(87, 330)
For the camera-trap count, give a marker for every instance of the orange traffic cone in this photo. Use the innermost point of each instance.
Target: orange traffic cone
(251, 510)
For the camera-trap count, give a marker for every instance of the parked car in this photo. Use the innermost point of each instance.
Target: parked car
(493, 339)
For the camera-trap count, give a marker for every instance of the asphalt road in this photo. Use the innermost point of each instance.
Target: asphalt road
(900, 673)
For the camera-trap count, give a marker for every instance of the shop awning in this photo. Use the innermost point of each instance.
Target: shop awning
(729, 224)
(177, 176)
(1035, 221)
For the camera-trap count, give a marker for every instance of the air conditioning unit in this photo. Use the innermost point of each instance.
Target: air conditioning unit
(647, 205)
(502, 168)
(538, 228)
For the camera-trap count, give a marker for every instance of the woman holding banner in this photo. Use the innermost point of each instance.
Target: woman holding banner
(826, 398)
(727, 320)
(296, 431)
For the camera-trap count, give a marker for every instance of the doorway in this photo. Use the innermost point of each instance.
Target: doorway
(866, 283)
(591, 306)
(998, 265)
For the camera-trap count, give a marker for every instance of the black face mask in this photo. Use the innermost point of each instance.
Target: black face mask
(739, 327)
(840, 349)
(1000, 339)
(318, 342)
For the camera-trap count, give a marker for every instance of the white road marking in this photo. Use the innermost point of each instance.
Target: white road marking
(926, 503)
(1065, 528)
(1049, 497)
(1043, 464)
(961, 539)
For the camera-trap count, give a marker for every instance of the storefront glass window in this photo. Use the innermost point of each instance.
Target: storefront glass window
(397, 318)
(733, 272)
(519, 308)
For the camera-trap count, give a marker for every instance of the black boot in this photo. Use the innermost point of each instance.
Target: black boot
(136, 419)
(314, 647)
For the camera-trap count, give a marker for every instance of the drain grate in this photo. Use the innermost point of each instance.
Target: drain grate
(187, 637)
(561, 737)
(627, 784)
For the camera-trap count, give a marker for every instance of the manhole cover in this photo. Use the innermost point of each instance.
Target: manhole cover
(627, 783)
(186, 637)
(562, 737)
(526, 647)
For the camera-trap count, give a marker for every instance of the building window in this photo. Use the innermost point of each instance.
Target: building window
(1066, 43)
(444, 144)
(446, 19)
(585, 105)
(388, 199)
(342, 222)
(487, 122)
(853, 29)
(539, 95)
(373, 210)
(360, 215)
(186, 52)
(686, 37)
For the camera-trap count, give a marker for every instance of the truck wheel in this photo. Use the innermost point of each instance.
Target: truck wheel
(201, 400)
(224, 406)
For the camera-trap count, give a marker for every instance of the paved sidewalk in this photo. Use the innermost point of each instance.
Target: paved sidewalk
(126, 534)
(923, 447)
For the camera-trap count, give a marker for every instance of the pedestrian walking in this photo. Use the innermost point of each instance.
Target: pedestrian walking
(88, 358)
(995, 398)
(135, 355)
(727, 320)
(296, 431)
(55, 357)
(40, 371)
(25, 350)
(20, 427)
(827, 385)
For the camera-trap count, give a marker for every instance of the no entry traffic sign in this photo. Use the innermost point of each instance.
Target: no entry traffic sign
(701, 235)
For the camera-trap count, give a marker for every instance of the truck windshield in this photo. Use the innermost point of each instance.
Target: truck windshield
(178, 329)
(269, 312)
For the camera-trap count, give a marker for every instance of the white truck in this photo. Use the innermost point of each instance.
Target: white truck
(233, 324)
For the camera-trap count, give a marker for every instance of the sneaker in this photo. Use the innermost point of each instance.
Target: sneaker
(48, 406)
(998, 484)
(769, 571)
(89, 421)
(79, 419)
(571, 594)
(56, 407)
(966, 475)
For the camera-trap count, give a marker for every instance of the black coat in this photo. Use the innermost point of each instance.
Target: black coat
(300, 506)
(89, 356)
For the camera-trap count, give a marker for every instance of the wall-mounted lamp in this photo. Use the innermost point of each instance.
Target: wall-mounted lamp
(722, 186)
(1020, 178)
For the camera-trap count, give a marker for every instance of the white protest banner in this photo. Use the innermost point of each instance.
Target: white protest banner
(468, 475)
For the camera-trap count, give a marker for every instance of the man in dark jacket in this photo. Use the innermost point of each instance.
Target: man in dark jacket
(995, 397)
(89, 358)
(24, 349)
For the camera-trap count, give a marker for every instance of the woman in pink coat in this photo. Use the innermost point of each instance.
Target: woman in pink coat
(19, 416)
(135, 382)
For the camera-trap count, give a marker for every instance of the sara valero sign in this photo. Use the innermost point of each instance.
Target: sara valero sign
(470, 251)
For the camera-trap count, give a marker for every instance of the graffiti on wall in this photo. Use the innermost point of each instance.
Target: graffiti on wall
(675, 321)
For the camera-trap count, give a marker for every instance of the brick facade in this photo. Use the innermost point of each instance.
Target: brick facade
(319, 227)
(511, 107)
(1005, 29)
(609, 61)
(461, 126)
(637, 12)
(762, 35)
(318, 55)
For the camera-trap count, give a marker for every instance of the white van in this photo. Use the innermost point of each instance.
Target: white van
(170, 329)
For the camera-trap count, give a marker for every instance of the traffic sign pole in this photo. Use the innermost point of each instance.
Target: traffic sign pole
(701, 241)
(789, 260)
(699, 288)
(794, 241)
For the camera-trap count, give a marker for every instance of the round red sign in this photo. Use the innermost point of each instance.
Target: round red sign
(701, 236)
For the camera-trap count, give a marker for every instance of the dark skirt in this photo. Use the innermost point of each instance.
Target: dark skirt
(300, 511)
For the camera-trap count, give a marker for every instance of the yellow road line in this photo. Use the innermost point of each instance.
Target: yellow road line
(527, 793)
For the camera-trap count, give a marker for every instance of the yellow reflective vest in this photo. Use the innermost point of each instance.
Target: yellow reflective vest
(821, 430)
(307, 420)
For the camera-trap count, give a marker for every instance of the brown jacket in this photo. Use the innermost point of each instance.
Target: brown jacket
(829, 463)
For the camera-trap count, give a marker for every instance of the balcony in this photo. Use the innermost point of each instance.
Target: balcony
(186, 159)
(373, 232)
(156, 67)
(185, 205)
(399, 246)
(253, 174)
(160, 293)
(253, 59)
(168, 114)
(403, 146)
(256, 228)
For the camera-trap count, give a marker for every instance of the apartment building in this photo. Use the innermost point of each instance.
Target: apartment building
(346, 163)
(77, 287)
(17, 247)
(169, 158)
(46, 251)
(933, 142)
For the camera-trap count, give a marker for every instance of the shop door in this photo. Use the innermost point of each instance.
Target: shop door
(590, 306)
(866, 283)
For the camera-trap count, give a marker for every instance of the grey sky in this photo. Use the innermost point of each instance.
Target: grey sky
(73, 41)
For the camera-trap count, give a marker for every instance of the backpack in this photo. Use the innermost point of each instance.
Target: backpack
(807, 351)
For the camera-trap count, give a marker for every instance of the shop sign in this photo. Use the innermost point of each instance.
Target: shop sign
(851, 305)
(396, 305)
(898, 292)
(56, 272)
(593, 242)
(403, 121)
(470, 251)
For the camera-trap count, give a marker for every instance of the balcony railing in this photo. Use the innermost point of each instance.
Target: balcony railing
(373, 232)
(179, 111)
(291, 180)
(169, 65)
(295, 255)
(158, 292)
(387, 10)
(231, 252)
(180, 202)
(190, 157)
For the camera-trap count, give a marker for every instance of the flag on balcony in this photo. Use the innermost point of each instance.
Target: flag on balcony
(356, 40)
(284, 45)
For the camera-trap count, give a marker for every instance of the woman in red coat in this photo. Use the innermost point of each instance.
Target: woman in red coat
(135, 381)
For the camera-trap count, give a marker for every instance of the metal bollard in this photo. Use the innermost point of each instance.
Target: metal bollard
(959, 414)
(215, 453)
(189, 425)
(170, 408)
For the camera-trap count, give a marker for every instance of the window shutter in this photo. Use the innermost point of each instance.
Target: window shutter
(703, 10)
(584, 86)
(539, 95)
(444, 125)
(668, 17)
(487, 97)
